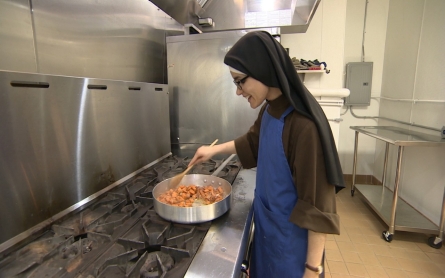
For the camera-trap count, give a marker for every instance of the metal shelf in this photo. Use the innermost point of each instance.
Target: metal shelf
(407, 218)
(303, 72)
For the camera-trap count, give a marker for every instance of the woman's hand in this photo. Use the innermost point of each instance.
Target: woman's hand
(204, 153)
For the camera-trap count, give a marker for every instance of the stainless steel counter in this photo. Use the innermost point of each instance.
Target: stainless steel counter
(222, 251)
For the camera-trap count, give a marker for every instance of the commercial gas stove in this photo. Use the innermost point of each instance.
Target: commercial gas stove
(120, 235)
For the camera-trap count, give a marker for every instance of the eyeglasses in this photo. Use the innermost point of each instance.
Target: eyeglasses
(239, 82)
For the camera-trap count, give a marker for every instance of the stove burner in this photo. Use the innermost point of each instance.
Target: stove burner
(207, 167)
(170, 161)
(173, 172)
(161, 171)
(69, 252)
(156, 265)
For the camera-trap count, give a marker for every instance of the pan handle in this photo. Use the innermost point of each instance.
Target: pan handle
(216, 172)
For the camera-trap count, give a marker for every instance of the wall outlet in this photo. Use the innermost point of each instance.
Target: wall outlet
(442, 132)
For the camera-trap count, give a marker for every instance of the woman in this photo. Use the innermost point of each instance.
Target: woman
(298, 170)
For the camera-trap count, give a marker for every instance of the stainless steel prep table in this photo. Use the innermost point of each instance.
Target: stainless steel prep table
(382, 200)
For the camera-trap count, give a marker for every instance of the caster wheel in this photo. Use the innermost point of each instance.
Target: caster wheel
(387, 236)
(435, 242)
(352, 193)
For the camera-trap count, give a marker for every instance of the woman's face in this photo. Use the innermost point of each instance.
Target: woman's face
(253, 90)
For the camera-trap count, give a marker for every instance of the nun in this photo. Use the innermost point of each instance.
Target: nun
(298, 170)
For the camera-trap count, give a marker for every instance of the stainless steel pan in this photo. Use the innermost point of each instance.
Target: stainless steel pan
(196, 214)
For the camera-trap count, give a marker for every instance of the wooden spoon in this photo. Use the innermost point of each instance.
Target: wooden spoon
(178, 178)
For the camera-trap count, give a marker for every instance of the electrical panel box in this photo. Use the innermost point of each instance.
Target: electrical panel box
(359, 82)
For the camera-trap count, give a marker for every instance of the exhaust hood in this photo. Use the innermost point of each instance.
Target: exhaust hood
(291, 16)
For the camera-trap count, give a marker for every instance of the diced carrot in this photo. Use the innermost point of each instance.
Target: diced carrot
(185, 195)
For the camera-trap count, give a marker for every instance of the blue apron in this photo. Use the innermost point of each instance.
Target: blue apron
(279, 247)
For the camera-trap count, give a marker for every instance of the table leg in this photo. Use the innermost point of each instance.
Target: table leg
(385, 164)
(354, 165)
(436, 242)
(387, 235)
(442, 217)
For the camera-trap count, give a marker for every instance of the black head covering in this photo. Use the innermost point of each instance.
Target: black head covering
(260, 56)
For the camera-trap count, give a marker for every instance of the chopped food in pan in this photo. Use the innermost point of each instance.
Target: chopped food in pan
(191, 195)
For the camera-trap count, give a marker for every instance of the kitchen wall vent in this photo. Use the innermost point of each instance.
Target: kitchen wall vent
(359, 83)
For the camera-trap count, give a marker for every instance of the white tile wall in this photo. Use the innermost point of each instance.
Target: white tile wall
(402, 45)
(430, 79)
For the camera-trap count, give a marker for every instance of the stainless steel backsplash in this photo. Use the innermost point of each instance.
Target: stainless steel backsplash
(65, 138)
(121, 40)
(17, 51)
(63, 143)
(203, 101)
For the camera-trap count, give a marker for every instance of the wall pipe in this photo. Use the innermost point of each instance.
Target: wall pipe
(364, 31)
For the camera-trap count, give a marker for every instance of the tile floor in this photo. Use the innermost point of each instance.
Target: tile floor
(360, 251)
